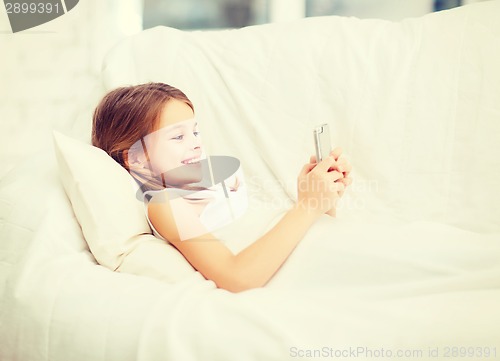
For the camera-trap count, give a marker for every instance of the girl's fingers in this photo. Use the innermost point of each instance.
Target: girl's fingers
(344, 165)
(340, 186)
(325, 164)
(345, 181)
(307, 168)
(335, 176)
(336, 153)
(340, 164)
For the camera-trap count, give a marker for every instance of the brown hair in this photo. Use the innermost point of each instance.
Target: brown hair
(125, 116)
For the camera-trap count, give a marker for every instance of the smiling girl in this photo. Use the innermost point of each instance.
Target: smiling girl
(174, 152)
(159, 119)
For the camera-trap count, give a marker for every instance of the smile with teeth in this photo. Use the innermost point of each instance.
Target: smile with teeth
(191, 161)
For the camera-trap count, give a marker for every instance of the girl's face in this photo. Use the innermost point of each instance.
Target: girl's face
(175, 148)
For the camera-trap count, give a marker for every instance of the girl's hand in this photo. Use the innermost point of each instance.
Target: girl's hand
(318, 188)
(341, 165)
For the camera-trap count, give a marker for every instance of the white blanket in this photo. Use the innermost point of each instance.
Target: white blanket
(411, 264)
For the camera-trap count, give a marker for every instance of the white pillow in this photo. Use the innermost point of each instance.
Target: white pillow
(112, 219)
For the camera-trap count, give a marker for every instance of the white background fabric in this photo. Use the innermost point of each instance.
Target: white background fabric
(411, 262)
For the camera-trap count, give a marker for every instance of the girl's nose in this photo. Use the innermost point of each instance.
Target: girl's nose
(195, 141)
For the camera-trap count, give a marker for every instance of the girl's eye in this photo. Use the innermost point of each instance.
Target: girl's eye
(197, 133)
(179, 137)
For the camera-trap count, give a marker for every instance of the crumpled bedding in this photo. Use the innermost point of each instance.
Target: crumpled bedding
(411, 263)
(398, 286)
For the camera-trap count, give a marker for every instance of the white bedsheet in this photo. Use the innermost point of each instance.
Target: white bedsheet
(349, 284)
(412, 263)
(413, 104)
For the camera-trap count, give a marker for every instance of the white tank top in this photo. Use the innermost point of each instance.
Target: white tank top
(147, 198)
(219, 212)
(146, 203)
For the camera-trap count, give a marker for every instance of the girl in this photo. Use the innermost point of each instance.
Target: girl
(174, 153)
(127, 117)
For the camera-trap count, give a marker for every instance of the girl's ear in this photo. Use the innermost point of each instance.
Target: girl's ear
(134, 159)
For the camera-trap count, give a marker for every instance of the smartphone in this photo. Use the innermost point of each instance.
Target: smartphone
(322, 141)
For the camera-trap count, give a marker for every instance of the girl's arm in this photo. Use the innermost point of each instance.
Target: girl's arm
(255, 265)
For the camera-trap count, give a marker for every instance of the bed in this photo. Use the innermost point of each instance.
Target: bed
(409, 268)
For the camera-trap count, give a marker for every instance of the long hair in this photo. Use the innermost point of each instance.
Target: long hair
(125, 116)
